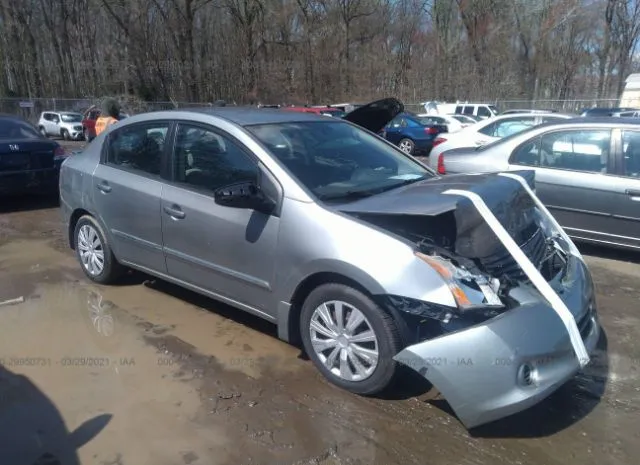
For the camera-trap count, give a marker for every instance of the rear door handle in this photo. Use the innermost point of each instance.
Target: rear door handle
(104, 187)
(174, 212)
(634, 194)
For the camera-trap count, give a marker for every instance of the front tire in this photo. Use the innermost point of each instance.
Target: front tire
(43, 131)
(407, 146)
(65, 134)
(94, 252)
(350, 339)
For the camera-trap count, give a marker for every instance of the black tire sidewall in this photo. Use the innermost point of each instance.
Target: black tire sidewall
(382, 324)
(65, 134)
(110, 270)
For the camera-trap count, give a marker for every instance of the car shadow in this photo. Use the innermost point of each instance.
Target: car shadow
(32, 430)
(23, 203)
(610, 253)
(568, 405)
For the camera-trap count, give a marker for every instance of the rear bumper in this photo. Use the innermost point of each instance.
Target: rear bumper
(34, 181)
(423, 147)
(481, 370)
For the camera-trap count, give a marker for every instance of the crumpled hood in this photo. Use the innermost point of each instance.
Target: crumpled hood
(413, 203)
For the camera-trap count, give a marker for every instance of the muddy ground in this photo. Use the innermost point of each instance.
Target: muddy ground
(146, 373)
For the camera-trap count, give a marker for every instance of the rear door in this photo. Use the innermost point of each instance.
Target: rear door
(625, 186)
(573, 177)
(127, 186)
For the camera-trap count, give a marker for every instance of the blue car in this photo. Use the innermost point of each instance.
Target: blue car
(412, 134)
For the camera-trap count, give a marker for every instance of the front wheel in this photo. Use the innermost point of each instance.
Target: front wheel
(86, 136)
(66, 135)
(350, 339)
(94, 252)
(43, 131)
(407, 146)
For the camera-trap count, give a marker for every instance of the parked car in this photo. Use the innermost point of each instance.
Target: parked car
(345, 243)
(526, 110)
(452, 124)
(465, 120)
(627, 114)
(481, 110)
(412, 134)
(29, 162)
(325, 111)
(587, 174)
(65, 124)
(598, 111)
(489, 131)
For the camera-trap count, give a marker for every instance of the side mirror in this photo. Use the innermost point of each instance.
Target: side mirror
(246, 195)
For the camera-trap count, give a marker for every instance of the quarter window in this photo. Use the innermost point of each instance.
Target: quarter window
(507, 127)
(468, 110)
(631, 154)
(585, 150)
(208, 160)
(138, 147)
(484, 111)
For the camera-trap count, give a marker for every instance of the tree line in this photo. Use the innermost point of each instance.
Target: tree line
(318, 51)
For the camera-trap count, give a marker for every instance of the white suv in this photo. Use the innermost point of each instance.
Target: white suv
(65, 124)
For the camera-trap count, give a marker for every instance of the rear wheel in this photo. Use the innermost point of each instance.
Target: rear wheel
(407, 146)
(350, 339)
(94, 252)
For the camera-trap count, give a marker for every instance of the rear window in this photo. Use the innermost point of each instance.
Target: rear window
(16, 129)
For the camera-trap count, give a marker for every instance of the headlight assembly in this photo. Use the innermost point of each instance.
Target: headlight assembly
(470, 291)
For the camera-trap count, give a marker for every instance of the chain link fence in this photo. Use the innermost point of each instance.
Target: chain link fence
(30, 109)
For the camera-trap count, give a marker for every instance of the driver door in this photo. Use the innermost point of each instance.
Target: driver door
(224, 251)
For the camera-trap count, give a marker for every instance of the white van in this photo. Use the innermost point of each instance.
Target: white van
(480, 110)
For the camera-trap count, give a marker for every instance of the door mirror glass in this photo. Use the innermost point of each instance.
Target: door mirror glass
(244, 195)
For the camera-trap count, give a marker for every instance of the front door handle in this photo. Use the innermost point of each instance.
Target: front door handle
(104, 187)
(174, 212)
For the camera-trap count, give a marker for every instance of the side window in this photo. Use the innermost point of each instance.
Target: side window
(138, 147)
(395, 123)
(583, 150)
(631, 154)
(459, 109)
(484, 112)
(47, 116)
(527, 154)
(55, 117)
(488, 130)
(208, 160)
(468, 110)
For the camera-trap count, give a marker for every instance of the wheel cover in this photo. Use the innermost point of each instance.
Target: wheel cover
(406, 146)
(90, 250)
(344, 340)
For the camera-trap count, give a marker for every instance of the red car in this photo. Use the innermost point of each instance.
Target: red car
(327, 111)
(89, 123)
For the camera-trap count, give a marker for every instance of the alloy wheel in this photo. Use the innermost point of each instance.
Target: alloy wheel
(90, 250)
(344, 340)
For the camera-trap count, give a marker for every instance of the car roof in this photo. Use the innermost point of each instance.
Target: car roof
(250, 116)
(591, 120)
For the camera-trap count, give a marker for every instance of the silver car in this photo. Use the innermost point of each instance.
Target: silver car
(346, 244)
(587, 174)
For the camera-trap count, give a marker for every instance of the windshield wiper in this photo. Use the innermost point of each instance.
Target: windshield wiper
(361, 194)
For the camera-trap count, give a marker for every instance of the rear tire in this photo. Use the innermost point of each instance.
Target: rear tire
(407, 146)
(357, 354)
(94, 252)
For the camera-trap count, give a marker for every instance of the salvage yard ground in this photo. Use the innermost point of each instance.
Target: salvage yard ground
(147, 373)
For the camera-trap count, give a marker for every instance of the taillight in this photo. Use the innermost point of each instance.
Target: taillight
(431, 130)
(438, 141)
(441, 169)
(60, 152)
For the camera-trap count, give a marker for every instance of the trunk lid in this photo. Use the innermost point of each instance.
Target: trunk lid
(26, 154)
(375, 115)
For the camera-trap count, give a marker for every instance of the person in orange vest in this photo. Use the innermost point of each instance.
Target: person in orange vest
(109, 115)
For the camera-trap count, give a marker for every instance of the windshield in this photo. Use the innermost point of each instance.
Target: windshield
(336, 160)
(494, 109)
(71, 117)
(14, 129)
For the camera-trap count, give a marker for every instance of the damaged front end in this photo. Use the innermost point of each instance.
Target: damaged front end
(524, 320)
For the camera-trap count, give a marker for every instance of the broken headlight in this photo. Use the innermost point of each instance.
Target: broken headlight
(470, 290)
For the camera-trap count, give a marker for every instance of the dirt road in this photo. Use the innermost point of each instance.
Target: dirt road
(146, 373)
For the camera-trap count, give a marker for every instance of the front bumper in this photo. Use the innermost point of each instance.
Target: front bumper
(513, 361)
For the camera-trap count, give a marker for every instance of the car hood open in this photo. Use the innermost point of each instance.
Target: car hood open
(375, 115)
